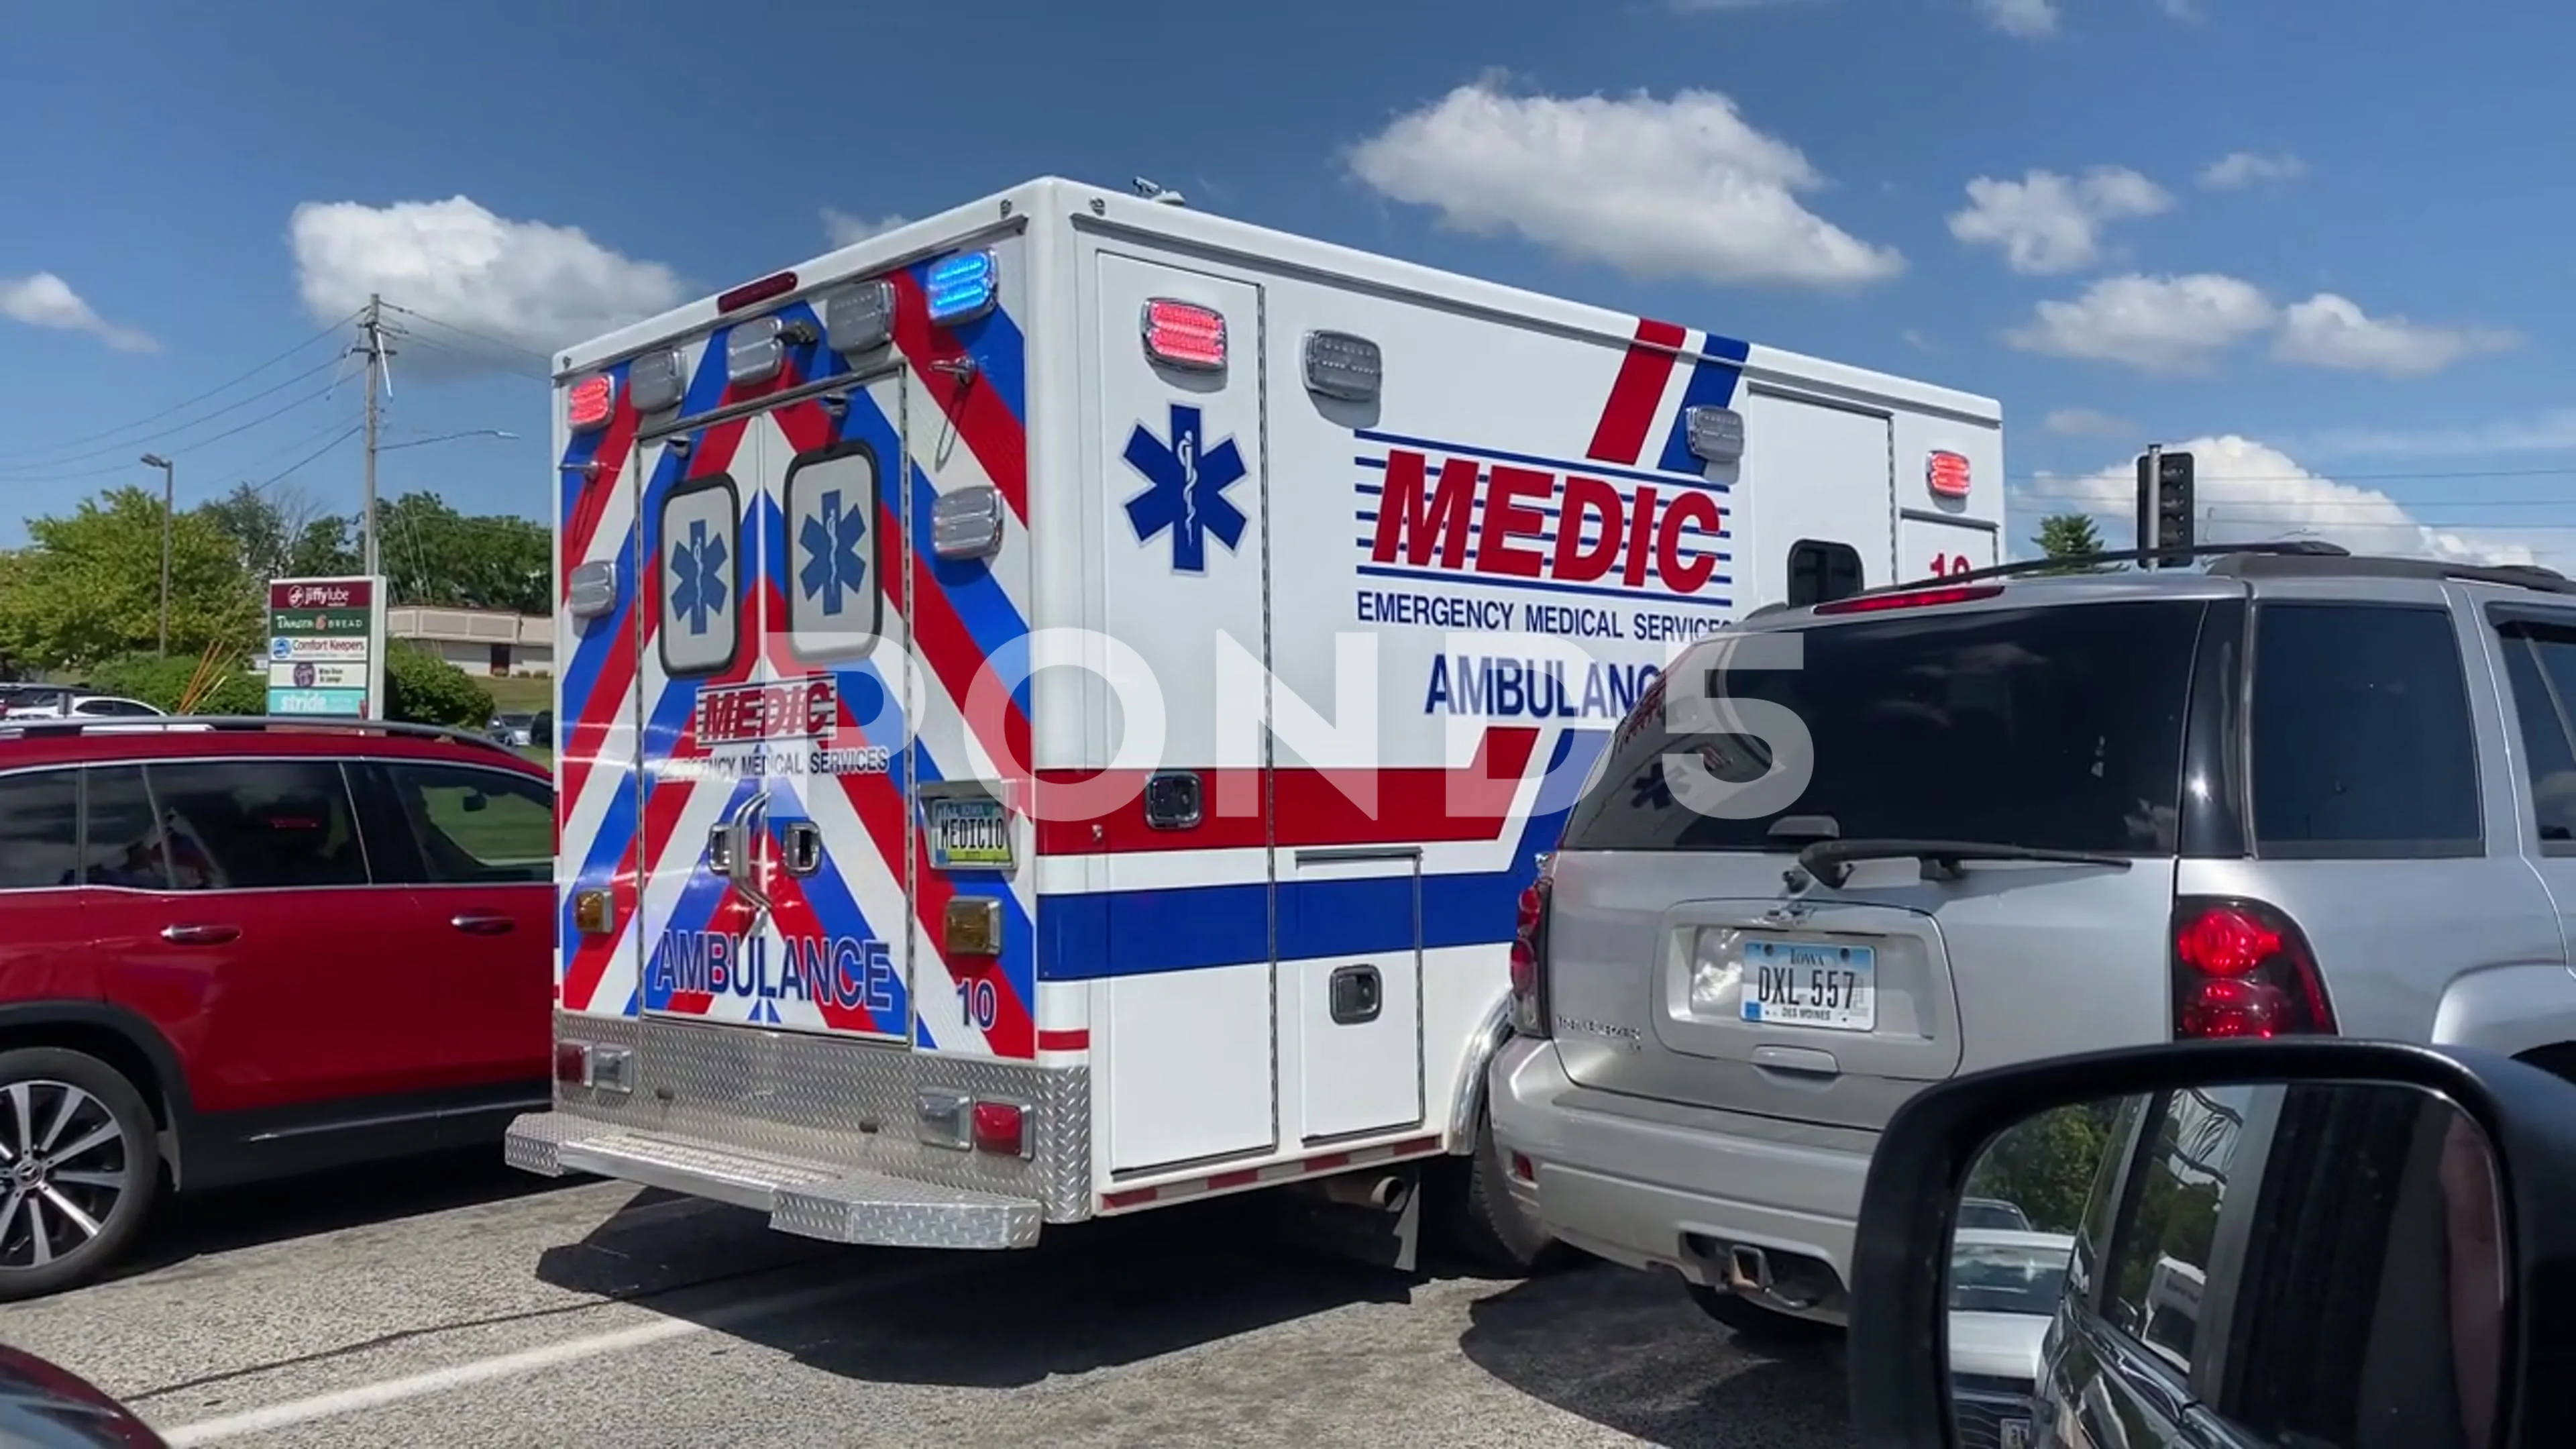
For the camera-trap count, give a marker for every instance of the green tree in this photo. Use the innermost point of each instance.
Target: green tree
(87, 587)
(280, 534)
(425, 689)
(2068, 535)
(164, 682)
(2045, 1164)
(433, 554)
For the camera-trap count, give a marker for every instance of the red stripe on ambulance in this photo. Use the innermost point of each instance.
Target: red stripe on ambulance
(1638, 394)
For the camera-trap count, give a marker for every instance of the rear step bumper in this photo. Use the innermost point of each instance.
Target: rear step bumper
(810, 1199)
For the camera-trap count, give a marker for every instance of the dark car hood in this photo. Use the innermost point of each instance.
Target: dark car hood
(44, 1407)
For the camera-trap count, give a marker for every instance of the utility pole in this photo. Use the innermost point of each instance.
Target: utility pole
(169, 498)
(374, 330)
(2150, 502)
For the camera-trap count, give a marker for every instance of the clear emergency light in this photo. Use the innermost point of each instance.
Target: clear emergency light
(1184, 335)
(1716, 434)
(656, 381)
(590, 403)
(964, 287)
(1339, 365)
(860, 319)
(754, 351)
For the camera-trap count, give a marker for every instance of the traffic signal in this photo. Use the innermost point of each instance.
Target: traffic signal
(2165, 511)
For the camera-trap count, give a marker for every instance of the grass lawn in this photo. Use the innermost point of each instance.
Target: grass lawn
(514, 693)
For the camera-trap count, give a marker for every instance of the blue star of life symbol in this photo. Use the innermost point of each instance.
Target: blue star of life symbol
(1187, 493)
(830, 538)
(698, 577)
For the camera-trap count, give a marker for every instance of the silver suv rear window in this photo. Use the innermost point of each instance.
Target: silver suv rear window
(2059, 727)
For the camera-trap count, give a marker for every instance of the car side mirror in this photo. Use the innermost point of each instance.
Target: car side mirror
(2294, 1241)
(476, 800)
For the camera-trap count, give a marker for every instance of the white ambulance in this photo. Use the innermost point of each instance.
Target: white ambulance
(1060, 701)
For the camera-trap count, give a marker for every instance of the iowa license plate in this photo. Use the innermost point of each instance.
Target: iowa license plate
(1827, 986)
(968, 833)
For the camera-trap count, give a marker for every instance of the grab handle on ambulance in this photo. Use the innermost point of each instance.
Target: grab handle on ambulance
(800, 847)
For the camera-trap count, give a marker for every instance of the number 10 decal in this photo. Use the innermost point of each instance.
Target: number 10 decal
(980, 1002)
(1956, 563)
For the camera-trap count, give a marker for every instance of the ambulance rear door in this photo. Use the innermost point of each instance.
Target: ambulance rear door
(778, 824)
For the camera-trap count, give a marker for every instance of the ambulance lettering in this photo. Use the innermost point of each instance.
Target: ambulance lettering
(846, 971)
(1597, 533)
(1504, 688)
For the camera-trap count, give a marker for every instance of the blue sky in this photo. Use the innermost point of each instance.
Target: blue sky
(2379, 291)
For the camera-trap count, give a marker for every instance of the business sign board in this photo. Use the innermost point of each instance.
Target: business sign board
(326, 647)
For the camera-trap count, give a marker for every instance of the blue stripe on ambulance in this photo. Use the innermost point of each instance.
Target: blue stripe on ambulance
(1134, 933)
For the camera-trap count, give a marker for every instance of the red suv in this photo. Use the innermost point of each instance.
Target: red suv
(242, 949)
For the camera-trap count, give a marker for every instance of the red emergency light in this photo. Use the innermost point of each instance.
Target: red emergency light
(751, 293)
(590, 403)
(1946, 474)
(1184, 334)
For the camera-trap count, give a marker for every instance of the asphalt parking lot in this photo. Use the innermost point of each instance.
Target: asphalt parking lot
(455, 1303)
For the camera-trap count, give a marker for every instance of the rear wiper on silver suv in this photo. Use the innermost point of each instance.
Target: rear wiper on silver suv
(1830, 861)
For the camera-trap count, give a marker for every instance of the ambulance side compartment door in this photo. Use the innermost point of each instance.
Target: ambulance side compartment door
(1185, 1017)
(1816, 489)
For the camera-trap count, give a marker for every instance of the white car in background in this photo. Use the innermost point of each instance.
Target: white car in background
(2004, 1288)
(86, 706)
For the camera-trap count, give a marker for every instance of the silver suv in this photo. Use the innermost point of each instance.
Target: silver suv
(1865, 845)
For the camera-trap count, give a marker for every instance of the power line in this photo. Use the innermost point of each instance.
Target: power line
(35, 457)
(2438, 476)
(485, 338)
(9, 470)
(2117, 503)
(266, 417)
(288, 471)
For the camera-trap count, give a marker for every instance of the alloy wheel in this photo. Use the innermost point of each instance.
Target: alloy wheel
(64, 1162)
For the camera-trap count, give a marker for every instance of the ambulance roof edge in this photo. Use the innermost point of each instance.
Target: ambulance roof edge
(1118, 208)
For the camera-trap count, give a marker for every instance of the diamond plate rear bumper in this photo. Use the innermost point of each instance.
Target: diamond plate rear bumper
(809, 1199)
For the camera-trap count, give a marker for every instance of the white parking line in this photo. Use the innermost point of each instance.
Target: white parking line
(382, 1392)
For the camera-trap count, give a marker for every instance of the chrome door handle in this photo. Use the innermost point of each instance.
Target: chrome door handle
(200, 935)
(481, 923)
(800, 846)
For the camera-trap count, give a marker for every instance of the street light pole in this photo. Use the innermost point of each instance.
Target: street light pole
(169, 496)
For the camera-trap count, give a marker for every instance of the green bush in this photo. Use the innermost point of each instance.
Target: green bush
(161, 682)
(425, 689)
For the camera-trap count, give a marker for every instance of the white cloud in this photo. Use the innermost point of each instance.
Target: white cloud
(1700, 7)
(2240, 169)
(2086, 423)
(843, 229)
(45, 300)
(1657, 188)
(2184, 10)
(2331, 331)
(2025, 18)
(2161, 325)
(525, 283)
(2170, 326)
(2249, 492)
(2550, 431)
(2047, 223)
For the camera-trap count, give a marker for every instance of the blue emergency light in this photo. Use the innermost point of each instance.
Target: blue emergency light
(962, 288)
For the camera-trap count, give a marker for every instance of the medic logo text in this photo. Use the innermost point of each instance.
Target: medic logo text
(1506, 522)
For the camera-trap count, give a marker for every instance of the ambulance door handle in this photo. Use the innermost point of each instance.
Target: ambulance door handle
(1356, 996)
(800, 846)
(725, 851)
